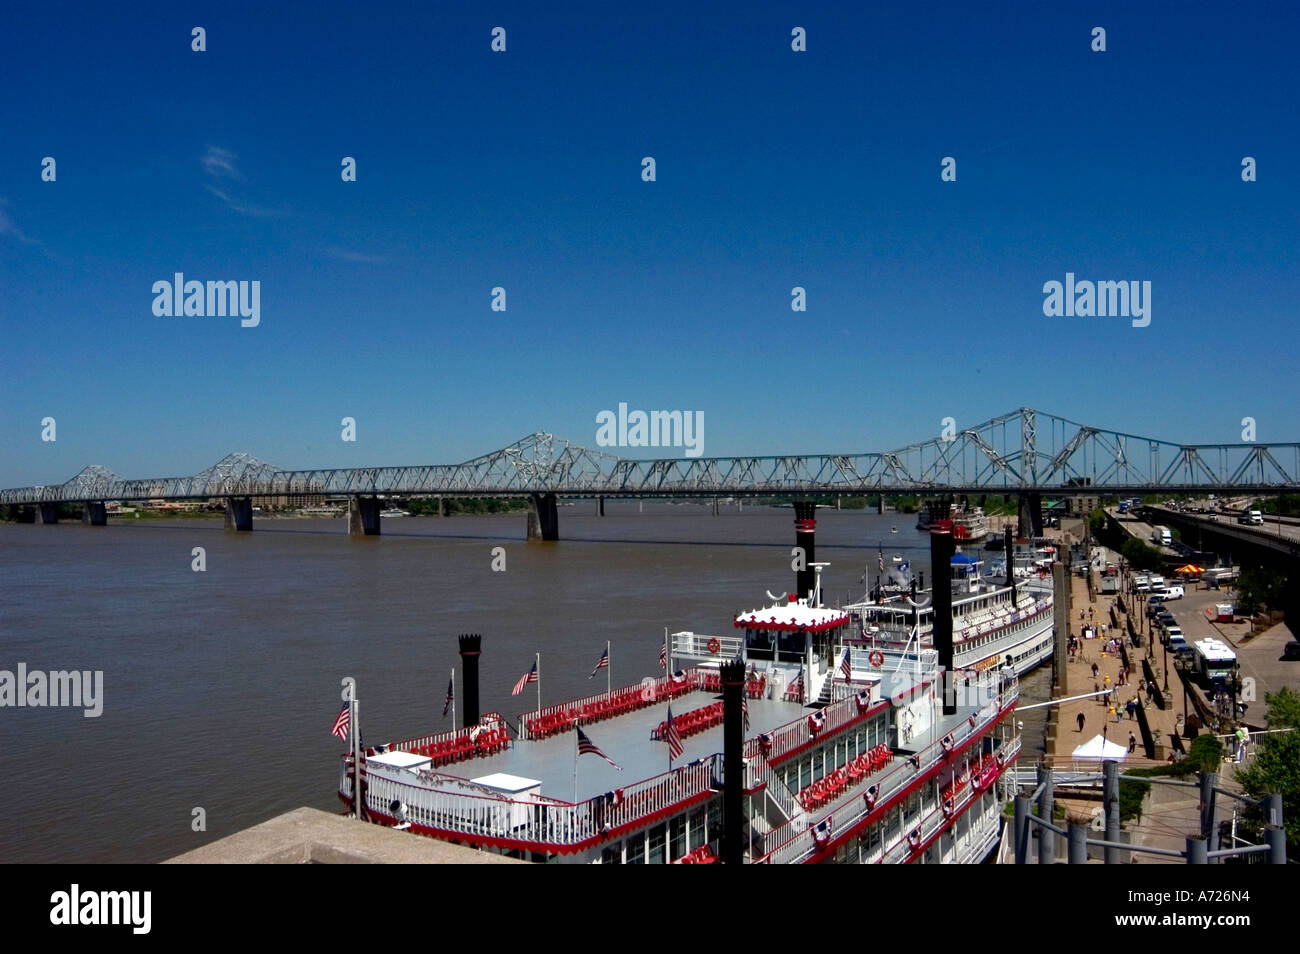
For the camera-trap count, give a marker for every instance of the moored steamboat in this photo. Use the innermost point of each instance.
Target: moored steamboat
(790, 742)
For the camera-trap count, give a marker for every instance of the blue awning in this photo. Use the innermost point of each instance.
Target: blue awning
(964, 559)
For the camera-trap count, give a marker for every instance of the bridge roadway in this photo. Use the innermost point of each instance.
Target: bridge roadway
(1027, 453)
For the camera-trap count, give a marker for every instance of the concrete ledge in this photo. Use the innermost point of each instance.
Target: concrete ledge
(311, 836)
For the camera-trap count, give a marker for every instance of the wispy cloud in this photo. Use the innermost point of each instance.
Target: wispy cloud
(220, 163)
(350, 255)
(220, 169)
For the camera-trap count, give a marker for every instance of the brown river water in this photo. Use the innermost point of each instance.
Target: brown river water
(220, 687)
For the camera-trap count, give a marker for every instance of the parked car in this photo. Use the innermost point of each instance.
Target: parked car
(1166, 618)
(1291, 650)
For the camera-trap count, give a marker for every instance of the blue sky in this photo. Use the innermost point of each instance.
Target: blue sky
(522, 170)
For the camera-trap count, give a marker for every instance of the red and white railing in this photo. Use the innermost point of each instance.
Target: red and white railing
(539, 824)
(553, 719)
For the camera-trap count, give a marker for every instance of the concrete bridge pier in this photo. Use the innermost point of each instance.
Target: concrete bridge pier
(363, 516)
(239, 513)
(880, 504)
(1029, 515)
(600, 506)
(715, 506)
(95, 514)
(49, 513)
(543, 518)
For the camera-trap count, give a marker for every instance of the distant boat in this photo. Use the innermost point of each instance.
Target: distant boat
(893, 529)
(394, 512)
(896, 558)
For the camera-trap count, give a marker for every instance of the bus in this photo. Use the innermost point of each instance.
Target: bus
(1213, 663)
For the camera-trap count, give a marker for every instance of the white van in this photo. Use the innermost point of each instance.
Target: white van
(1157, 581)
(1174, 592)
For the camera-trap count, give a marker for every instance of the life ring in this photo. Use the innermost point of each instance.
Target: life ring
(714, 645)
(877, 658)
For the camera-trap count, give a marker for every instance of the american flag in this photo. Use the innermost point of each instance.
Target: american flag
(603, 664)
(588, 747)
(744, 711)
(451, 696)
(663, 656)
(822, 833)
(525, 679)
(673, 737)
(880, 559)
(846, 670)
(342, 722)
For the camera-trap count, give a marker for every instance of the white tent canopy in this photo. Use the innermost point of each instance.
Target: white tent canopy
(1099, 748)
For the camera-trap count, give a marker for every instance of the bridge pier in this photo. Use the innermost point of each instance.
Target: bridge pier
(363, 516)
(239, 513)
(95, 514)
(49, 512)
(880, 504)
(543, 518)
(1029, 515)
(600, 506)
(715, 506)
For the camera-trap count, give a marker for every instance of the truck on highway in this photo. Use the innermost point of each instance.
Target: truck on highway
(1252, 517)
(1162, 536)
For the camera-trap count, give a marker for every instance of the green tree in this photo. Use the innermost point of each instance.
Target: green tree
(1276, 766)
(1138, 554)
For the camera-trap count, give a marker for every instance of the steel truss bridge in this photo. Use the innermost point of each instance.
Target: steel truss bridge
(1024, 452)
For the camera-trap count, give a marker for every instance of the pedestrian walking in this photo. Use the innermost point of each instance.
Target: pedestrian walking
(1080, 720)
(1094, 670)
(1096, 691)
(1131, 709)
(1132, 743)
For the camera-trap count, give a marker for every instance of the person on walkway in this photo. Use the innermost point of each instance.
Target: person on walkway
(1132, 743)
(1094, 670)
(1096, 691)
(1080, 720)
(1131, 709)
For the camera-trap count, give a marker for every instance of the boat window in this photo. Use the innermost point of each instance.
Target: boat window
(696, 830)
(658, 840)
(758, 643)
(676, 837)
(613, 854)
(635, 848)
(790, 646)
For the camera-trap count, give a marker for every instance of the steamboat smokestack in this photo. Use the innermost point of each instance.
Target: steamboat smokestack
(942, 548)
(805, 532)
(470, 646)
(1008, 548)
(733, 763)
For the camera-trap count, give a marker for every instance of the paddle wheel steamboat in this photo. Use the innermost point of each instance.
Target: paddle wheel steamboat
(798, 744)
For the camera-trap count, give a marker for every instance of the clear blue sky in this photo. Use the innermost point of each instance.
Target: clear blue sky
(522, 169)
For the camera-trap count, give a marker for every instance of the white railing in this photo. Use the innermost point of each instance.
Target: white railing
(696, 646)
(776, 788)
(540, 821)
(794, 734)
(894, 779)
(489, 720)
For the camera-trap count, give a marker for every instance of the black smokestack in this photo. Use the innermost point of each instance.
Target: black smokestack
(470, 646)
(805, 533)
(942, 549)
(1008, 549)
(733, 763)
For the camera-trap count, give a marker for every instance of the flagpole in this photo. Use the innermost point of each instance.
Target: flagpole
(575, 768)
(453, 698)
(609, 664)
(539, 682)
(358, 798)
(668, 653)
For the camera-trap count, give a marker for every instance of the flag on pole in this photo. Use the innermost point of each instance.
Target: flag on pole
(673, 737)
(588, 747)
(603, 664)
(880, 559)
(451, 696)
(342, 722)
(525, 679)
(846, 670)
(663, 656)
(744, 711)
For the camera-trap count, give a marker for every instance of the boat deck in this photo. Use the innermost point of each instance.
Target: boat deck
(626, 740)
